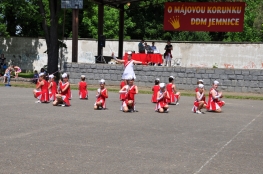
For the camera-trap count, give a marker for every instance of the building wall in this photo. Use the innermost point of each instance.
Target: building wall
(231, 80)
(29, 53)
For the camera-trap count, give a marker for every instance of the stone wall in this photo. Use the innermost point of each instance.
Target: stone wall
(231, 80)
(30, 53)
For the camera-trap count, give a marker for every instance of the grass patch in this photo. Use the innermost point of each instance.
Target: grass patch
(144, 90)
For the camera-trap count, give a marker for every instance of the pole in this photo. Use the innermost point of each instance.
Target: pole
(75, 25)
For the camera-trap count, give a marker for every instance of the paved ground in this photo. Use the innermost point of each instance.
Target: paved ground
(40, 138)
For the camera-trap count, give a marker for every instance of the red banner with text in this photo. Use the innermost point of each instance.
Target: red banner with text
(204, 16)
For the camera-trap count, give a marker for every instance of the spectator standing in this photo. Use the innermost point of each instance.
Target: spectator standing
(2, 62)
(141, 47)
(168, 53)
(153, 47)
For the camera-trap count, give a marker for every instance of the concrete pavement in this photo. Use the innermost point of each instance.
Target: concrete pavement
(40, 138)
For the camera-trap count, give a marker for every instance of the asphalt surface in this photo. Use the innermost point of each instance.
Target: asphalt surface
(41, 138)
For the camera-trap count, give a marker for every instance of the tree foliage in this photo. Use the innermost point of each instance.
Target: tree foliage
(143, 19)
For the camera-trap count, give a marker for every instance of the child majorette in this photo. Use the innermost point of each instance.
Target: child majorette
(63, 92)
(214, 102)
(69, 90)
(129, 90)
(199, 100)
(52, 87)
(174, 95)
(101, 96)
(122, 95)
(199, 82)
(155, 89)
(83, 91)
(162, 97)
(43, 94)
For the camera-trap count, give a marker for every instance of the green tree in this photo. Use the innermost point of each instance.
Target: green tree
(50, 11)
(20, 17)
(89, 23)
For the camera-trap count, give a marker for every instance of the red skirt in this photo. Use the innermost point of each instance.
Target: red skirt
(43, 96)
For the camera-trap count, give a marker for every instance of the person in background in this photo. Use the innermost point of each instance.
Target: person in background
(7, 74)
(155, 89)
(17, 70)
(4, 67)
(2, 61)
(42, 70)
(35, 77)
(141, 47)
(168, 53)
(153, 47)
(148, 48)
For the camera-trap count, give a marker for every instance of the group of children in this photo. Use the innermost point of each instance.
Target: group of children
(9, 70)
(214, 99)
(48, 91)
(163, 94)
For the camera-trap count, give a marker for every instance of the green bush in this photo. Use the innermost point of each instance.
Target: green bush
(26, 75)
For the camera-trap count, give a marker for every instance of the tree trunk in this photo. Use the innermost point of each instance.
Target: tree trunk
(51, 34)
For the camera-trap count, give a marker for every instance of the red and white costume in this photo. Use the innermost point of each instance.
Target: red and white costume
(69, 93)
(196, 102)
(155, 90)
(64, 94)
(173, 97)
(128, 71)
(53, 91)
(162, 101)
(122, 96)
(43, 95)
(102, 97)
(83, 92)
(129, 95)
(39, 89)
(214, 104)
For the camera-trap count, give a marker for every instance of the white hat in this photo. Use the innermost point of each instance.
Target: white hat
(41, 74)
(157, 79)
(82, 76)
(64, 75)
(162, 85)
(51, 76)
(102, 81)
(129, 52)
(130, 77)
(200, 86)
(216, 82)
(171, 77)
(201, 81)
